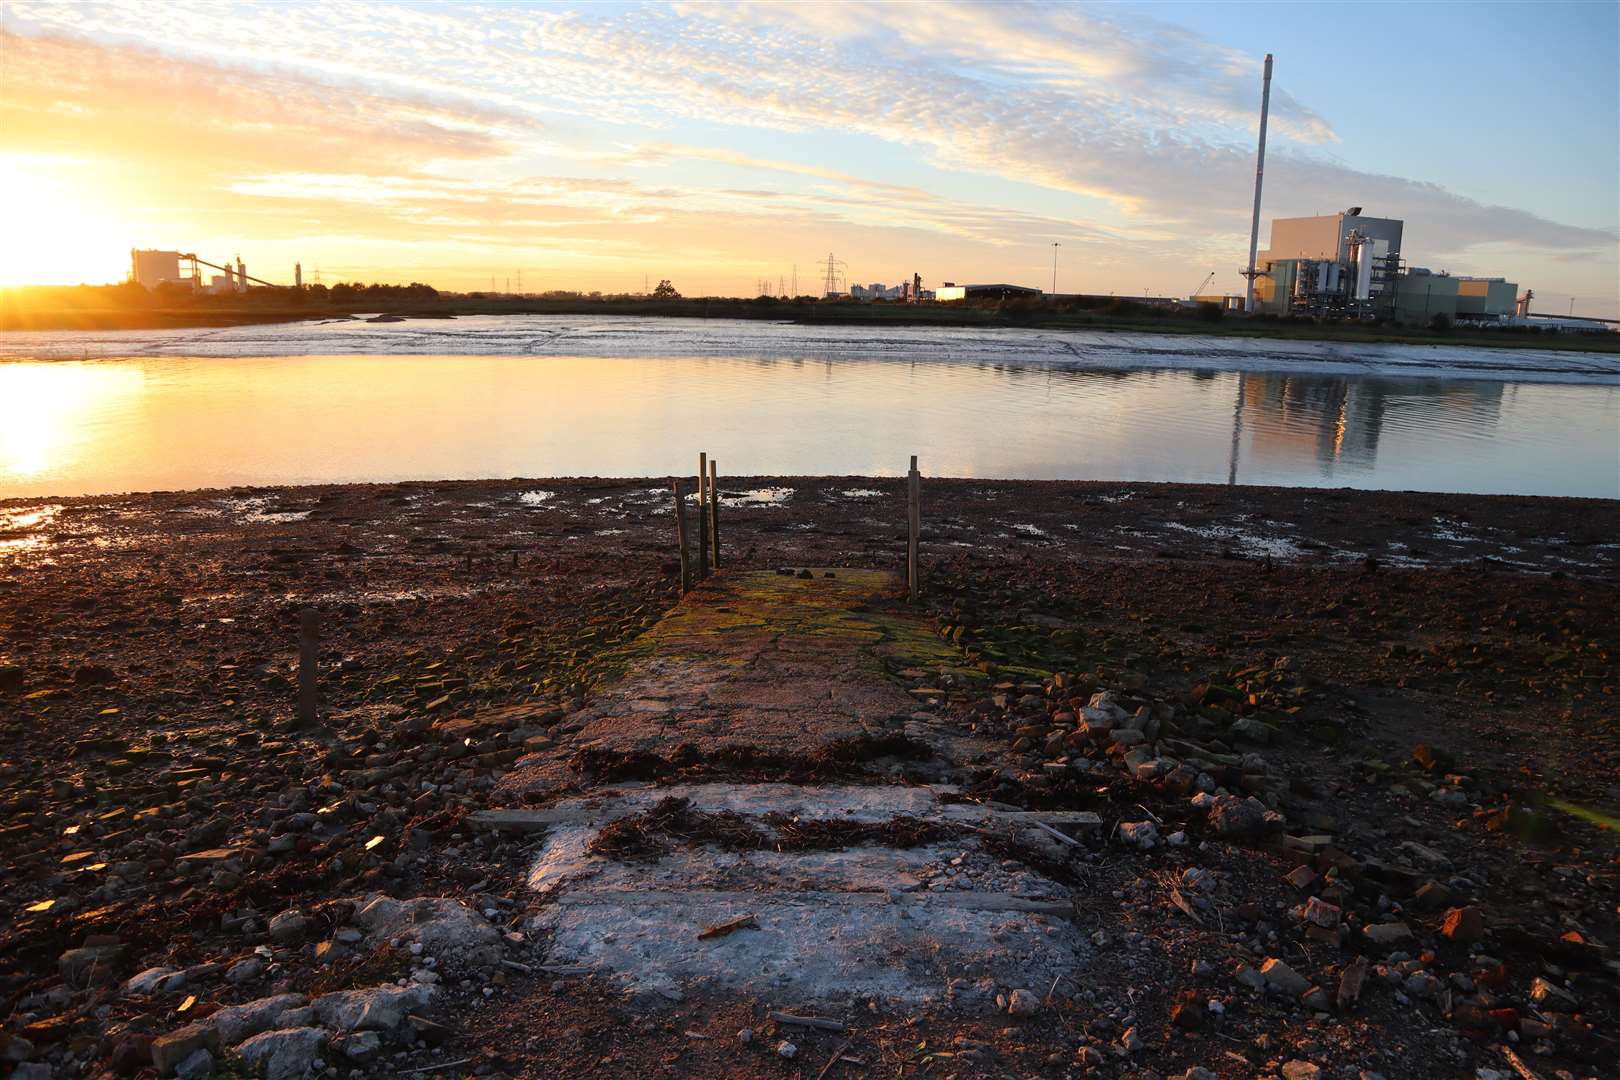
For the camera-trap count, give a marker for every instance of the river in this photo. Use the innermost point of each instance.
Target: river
(102, 412)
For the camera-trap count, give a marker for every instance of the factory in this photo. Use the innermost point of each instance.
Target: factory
(1349, 265)
(152, 269)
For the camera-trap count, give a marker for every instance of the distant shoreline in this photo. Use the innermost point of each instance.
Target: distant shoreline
(817, 313)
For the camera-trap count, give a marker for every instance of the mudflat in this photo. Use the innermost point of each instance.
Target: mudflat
(1152, 777)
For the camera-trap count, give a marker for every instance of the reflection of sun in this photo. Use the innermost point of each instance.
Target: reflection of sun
(47, 408)
(55, 233)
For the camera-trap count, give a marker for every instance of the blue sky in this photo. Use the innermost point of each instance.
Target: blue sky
(590, 146)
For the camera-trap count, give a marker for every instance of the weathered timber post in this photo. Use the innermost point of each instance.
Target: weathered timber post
(913, 527)
(680, 536)
(714, 510)
(703, 516)
(309, 690)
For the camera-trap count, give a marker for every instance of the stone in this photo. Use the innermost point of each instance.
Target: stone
(1420, 984)
(1301, 877)
(284, 1054)
(1463, 925)
(1238, 819)
(786, 1049)
(1319, 912)
(168, 1051)
(1301, 1070)
(244, 971)
(445, 928)
(148, 981)
(237, 1022)
(93, 965)
(1251, 978)
(1284, 979)
(1253, 730)
(1188, 1015)
(33, 1070)
(288, 927)
(198, 1064)
(1023, 1003)
(1388, 933)
(358, 1046)
(1551, 995)
(380, 1008)
(1316, 999)
(1139, 834)
(1197, 1072)
(1431, 896)
(1350, 982)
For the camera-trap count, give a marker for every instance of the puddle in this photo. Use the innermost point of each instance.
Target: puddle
(759, 497)
(254, 510)
(1030, 530)
(536, 498)
(1246, 542)
(860, 493)
(23, 529)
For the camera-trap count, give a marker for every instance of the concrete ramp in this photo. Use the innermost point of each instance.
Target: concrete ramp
(841, 883)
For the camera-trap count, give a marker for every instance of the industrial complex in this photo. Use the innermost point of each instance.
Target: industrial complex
(184, 269)
(1349, 266)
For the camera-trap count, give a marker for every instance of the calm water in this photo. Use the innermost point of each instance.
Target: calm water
(186, 409)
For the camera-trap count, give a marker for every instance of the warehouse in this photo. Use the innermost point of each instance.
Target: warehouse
(952, 291)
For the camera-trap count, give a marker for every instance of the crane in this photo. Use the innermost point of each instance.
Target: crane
(1202, 286)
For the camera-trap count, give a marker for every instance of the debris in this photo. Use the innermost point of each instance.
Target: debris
(807, 1021)
(730, 926)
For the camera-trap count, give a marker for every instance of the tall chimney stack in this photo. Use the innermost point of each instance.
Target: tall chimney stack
(1259, 175)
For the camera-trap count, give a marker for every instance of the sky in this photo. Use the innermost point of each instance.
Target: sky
(601, 146)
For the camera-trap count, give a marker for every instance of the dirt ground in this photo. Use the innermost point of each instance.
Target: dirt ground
(148, 669)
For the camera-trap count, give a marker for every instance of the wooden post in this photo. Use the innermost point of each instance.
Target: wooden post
(309, 691)
(714, 510)
(703, 517)
(680, 536)
(913, 527)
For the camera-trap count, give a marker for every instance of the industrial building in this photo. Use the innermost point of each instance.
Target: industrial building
(951, 291)
(152, 268)
(1349, 265)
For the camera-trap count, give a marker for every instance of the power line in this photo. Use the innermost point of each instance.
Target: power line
(834, 275)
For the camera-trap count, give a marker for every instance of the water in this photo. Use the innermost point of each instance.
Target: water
(542, 396)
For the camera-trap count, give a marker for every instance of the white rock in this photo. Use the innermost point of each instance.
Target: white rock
(286, 1054)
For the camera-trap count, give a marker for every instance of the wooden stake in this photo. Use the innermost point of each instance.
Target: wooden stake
(703, 516)
(913, 527)
(680, 536)
(309, 691)
(714, 510)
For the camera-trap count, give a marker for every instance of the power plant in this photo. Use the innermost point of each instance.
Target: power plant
(153, 268)
(1349, 266)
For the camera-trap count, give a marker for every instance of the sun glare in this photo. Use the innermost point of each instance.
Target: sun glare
(56, 232)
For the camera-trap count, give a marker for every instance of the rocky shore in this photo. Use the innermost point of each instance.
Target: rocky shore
(1352, 759)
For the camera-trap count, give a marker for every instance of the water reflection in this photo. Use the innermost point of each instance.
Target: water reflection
(1339, 421)
(166, 423)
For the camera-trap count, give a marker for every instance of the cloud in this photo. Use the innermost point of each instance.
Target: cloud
(412, 117)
